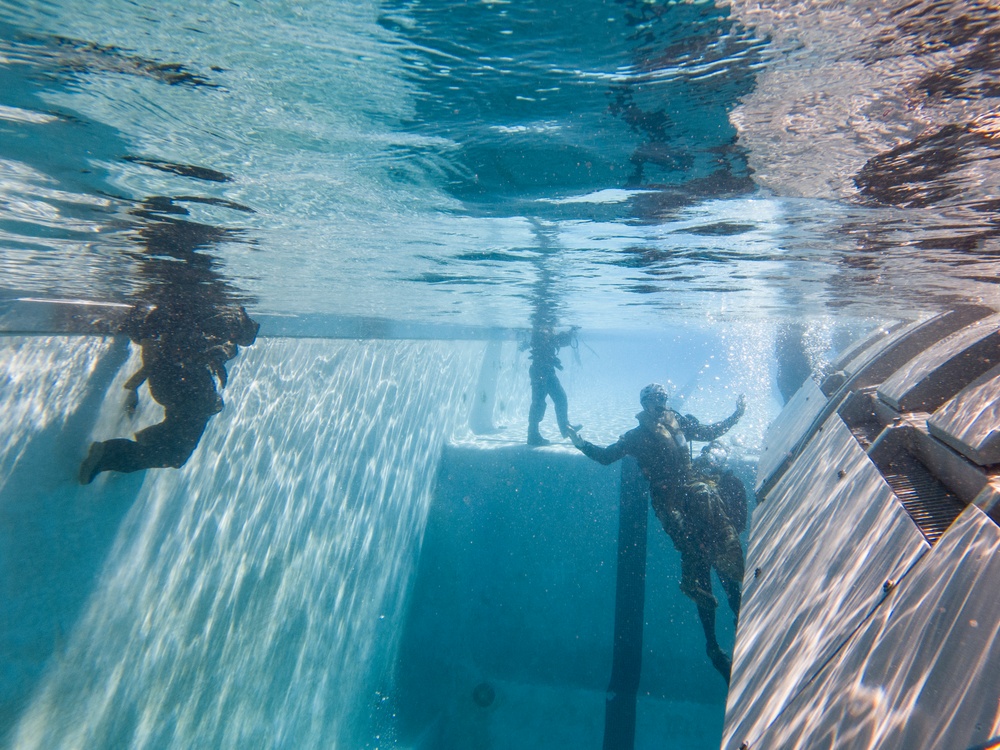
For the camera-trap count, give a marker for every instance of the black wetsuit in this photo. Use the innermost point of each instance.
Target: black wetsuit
(185, 387)
(689, 508)
(544, 382)
(181, 365)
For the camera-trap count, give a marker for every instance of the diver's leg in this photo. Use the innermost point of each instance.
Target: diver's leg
(729, 564)
(560, 404)
(167, 444)
(170, 443)
(111, 455)
(668, 514)
(720, 660)
(696, 584)
(535, 412)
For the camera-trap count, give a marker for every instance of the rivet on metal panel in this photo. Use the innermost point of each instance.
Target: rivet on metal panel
(757, 572)
(745, 746)
(888, 586)
(841, 473)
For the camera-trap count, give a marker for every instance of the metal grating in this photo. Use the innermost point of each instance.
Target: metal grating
(861, 418)
(929, 503)
(865, 432)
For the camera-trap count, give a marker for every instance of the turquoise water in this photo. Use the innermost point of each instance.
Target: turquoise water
(719, 195)
(412, 161)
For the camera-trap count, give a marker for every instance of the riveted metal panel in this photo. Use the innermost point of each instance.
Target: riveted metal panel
(811, 582)
(881, 360)
(970, 422)
(921, 674)
(788, 429)
(866, 348)
(930, 378)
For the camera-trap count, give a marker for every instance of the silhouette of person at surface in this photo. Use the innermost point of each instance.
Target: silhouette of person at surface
(690, 508)
(188, 326)
(544, 342)
(545, 346)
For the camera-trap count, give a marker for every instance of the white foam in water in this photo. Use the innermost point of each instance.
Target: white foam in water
(610, 195)
(253, 598)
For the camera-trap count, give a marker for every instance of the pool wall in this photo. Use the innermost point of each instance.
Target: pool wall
(253, 598)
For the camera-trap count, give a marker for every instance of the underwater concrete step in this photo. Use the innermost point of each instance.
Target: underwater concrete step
(27, 315)
(515, 585)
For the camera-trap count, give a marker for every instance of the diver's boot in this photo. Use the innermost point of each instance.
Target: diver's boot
(535, 437)
(720, 661)
(90, 467)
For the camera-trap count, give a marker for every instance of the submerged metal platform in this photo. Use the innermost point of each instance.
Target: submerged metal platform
(870, 611)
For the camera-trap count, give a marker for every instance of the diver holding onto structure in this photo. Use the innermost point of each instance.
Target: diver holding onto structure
(687, 502)
(545, 344)
(188, 326)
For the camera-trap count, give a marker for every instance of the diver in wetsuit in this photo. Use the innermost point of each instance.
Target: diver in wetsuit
(545, 346)
(182, 358)
(712, 468)
(189, 322)
(689, 508)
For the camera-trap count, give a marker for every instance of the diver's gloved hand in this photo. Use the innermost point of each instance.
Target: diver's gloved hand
(741, 405)
(574, 436)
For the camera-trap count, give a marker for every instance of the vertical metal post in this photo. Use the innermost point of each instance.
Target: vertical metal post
(630, 599)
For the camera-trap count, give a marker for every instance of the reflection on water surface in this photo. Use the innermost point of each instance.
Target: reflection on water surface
(810, 157)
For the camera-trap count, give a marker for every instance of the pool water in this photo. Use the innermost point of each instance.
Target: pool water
(361, 551)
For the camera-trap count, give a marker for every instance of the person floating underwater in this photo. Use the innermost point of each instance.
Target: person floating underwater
(690, 508)
(182, 359)
(545, 346)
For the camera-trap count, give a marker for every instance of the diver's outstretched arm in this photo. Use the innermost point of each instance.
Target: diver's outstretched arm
(608, 455)
(695, 430)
